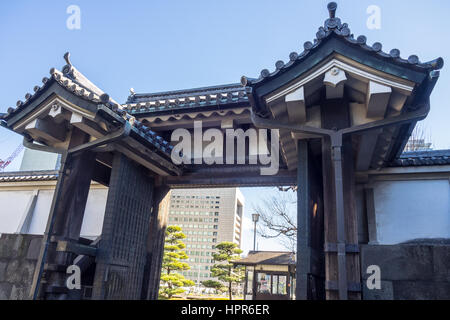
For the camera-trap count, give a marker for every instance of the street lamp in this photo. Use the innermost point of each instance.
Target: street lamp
(255, 218)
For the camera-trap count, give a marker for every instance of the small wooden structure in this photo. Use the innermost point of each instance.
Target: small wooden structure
(269, 275)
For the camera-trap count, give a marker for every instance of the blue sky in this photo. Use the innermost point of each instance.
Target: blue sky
(165, 45)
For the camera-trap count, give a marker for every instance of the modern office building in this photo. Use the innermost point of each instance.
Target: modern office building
(207, 217)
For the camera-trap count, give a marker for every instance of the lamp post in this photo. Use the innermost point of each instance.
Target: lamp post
(255, 218)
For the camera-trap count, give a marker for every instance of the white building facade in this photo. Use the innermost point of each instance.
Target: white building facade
(207, 217)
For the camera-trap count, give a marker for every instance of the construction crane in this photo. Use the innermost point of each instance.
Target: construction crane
(7, 162)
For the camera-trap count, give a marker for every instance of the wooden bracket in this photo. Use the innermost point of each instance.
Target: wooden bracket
(333, 248)
(351, 286)
(77, 248)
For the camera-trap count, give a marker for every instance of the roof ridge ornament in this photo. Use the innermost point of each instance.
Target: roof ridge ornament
(332, 22)
(332, 6)
(68, 68)
(67, 58)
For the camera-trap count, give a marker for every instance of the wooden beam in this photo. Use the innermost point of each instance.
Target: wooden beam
(47, 130)
(65, 219)
(397, 101)
(227, 124)
(120, 267)
(366, 150)
(351, 223)
(87, 126)
(377, 99)
(229, 179)
(77, 248)
(303, 269)
(296, 107)
(155, 243)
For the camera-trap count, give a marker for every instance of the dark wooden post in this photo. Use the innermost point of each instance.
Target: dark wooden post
(155, 244)
(331, 264)
(303, 269)
(341, 236)
(351, 223)
(122, 249)
(341, 227)
(64, 223)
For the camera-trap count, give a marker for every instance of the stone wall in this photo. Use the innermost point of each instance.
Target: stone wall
(408, 271)
(18, 257)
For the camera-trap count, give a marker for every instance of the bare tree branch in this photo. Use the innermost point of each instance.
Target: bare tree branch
(278, 218)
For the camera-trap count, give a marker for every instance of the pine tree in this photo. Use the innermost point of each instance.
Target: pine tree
(224, 270)
(172, 265)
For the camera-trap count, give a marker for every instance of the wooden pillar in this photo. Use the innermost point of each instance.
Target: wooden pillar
(341, 231)
(310, 232)
(122, 249)
(351, 223)
(331, 264)
(155, 243)
(341, 226)
(64, 223)
(303, 269)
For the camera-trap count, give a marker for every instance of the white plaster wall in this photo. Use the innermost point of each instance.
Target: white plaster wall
(94, 213)
(13, 206)
(41, 211)
(414, 209)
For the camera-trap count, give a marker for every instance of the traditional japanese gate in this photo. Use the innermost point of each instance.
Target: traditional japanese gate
(342, 107)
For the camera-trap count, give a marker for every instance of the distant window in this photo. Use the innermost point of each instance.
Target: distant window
(249, 282)
(263, 283)
(279, 284)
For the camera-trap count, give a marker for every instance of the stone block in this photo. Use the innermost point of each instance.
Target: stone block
(385, 293)
(443, 290)
(13, 274)
(5, 290)
(416, 290)
(6, 247)
(34, 248)
(3, 266)
(441, 263)
(399, 262)
(17, 293)
(27, 271)
(14, 246)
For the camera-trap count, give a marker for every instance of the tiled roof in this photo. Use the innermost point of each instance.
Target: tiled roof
(23, 176)
(333, 26)
(75, 82)
(423, 158)
(268, 257)
(230, 94)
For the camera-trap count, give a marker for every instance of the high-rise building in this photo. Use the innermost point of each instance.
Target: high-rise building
(207, 217)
